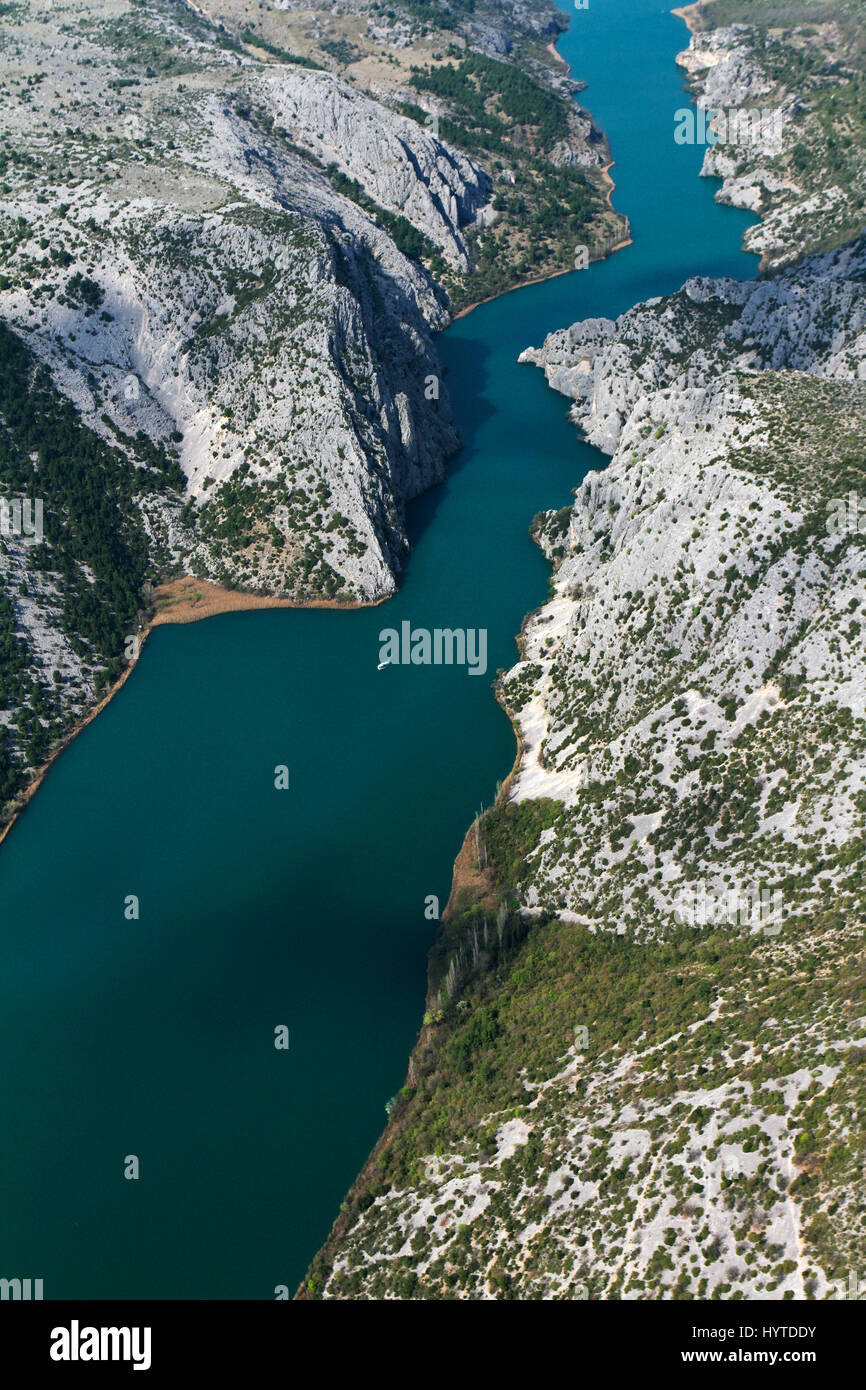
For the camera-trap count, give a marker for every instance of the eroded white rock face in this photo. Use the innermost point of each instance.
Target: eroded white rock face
(808, 319)
(399, 164)
(694, 696)
(700, 568)
(237, 299)
(801, 208)
(691, 705)
(176, 255)
(723, 60)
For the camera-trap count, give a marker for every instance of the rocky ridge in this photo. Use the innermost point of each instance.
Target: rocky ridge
(641, 1072)
(228, 261)
(802, 169)
(246, 350)
(705, 562)
(402, 167)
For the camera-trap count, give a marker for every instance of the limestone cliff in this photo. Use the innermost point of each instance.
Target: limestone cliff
(641, 1071)
(240, 355)
(801, 166)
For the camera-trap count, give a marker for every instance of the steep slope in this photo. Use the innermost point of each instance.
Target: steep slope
(223, 257)
(787, 79)
(199, 278)
(641, 1071)
(707, 595)
(237, 357)
(481, 74)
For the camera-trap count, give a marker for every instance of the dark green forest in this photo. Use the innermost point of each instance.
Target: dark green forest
(91, 528)
(512, 125)
(475, 85)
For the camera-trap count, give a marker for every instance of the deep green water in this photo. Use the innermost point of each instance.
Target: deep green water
(304, 907)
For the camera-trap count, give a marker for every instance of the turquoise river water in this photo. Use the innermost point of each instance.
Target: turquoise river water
(303, 907)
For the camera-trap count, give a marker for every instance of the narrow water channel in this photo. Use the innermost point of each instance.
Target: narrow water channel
(304, 907)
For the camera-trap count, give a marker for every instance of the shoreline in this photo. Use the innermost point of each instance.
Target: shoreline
(188, 600)
(458, 878)
(608, 186)
(191, 600)
(184, 600)
(181, 605)
(687, 13)
(554, 51)
(463, 875)
(509, 289)
(628, 240)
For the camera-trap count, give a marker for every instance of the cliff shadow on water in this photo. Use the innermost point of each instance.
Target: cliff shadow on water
(304, 907)
(466, 373)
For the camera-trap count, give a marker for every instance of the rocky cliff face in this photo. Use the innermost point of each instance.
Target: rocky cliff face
(486, 78)
(401, 166)
(221, 258)
(245, 349)
(802, 167)
(705, 565)
(234, 298)
(680, 349)
(644, 1045)
(642, 1064)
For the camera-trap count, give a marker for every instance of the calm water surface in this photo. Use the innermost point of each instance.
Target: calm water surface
(305, 908)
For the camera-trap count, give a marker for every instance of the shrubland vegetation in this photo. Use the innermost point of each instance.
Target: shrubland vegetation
(94, 556)
(607, 1099)
(813, 51)
(513, 125)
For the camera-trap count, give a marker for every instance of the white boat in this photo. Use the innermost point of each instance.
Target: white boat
(382, 664)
